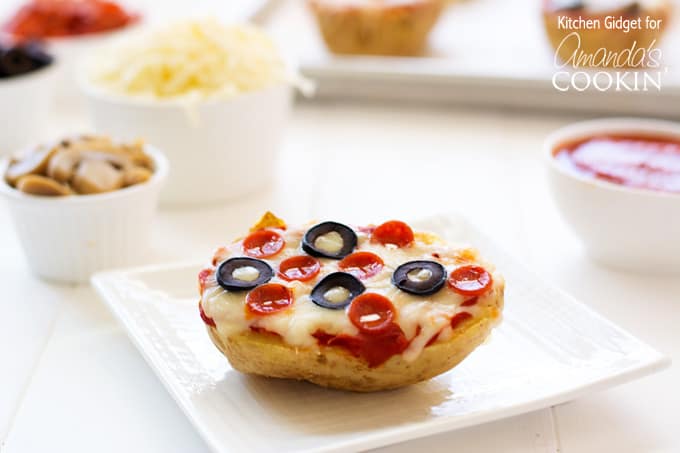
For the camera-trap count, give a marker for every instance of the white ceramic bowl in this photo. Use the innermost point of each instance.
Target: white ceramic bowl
(24, 108)
(632, 229)
(218, 149)
(68, 53)
(68, 239)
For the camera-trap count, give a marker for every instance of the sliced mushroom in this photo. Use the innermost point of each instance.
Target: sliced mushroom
(134, 152)
(138, 156)
(118, 160)
(89, 142)
(33, 163)
(136, 175)
(96, 176)
(85, 164)
(63, 165)
(41, 185)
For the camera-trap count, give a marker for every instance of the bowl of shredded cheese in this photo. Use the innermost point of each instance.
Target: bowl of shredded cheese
(215, 97)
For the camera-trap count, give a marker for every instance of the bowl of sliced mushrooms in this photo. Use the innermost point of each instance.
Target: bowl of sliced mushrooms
(83, 204)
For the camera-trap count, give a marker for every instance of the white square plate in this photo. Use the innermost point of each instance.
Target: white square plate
(548, 350)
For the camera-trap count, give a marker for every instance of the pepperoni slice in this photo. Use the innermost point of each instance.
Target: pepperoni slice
(301, 267)
(263, 244)
(204, 317)
(470, 280)
(362, 265)
(371, 313)
(393, 232)
(458, 318)
(268, 299)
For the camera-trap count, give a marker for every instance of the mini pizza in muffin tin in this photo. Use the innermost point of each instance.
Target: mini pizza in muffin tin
(356, 308)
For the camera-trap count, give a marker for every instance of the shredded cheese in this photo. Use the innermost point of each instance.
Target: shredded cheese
(189, 60)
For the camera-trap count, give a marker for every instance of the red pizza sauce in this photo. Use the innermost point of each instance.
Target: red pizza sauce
(58, 18)
(650, 162)
(203, 278)
(207, 320)
(375, 349)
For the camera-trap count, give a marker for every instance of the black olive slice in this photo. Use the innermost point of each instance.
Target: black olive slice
(421, 278)
(16, 61)
(23, 58)
(313, 243)
(241, 274)
(37, 53)
(338, 284)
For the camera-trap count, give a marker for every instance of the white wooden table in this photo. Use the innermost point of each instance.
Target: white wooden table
(72, 382)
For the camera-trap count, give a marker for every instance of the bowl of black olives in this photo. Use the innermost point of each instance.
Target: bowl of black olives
(26, 83)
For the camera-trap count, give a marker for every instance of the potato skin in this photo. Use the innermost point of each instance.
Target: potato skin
(400, 29)
(266, 354)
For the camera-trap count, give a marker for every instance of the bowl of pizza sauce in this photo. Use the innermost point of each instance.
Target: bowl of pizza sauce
(617, 184)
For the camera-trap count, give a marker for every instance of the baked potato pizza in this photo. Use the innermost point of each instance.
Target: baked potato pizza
(361, 308)
(376, 27)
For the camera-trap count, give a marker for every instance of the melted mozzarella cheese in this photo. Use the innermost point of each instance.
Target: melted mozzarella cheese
(420, 317)
(330, 242)
(336, 295)
(245, 274)
(419, 275)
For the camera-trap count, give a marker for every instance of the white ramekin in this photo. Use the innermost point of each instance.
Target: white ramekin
(632, 229)
(218, 149)
(24, 107)
(68, 52)
(67, 239)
